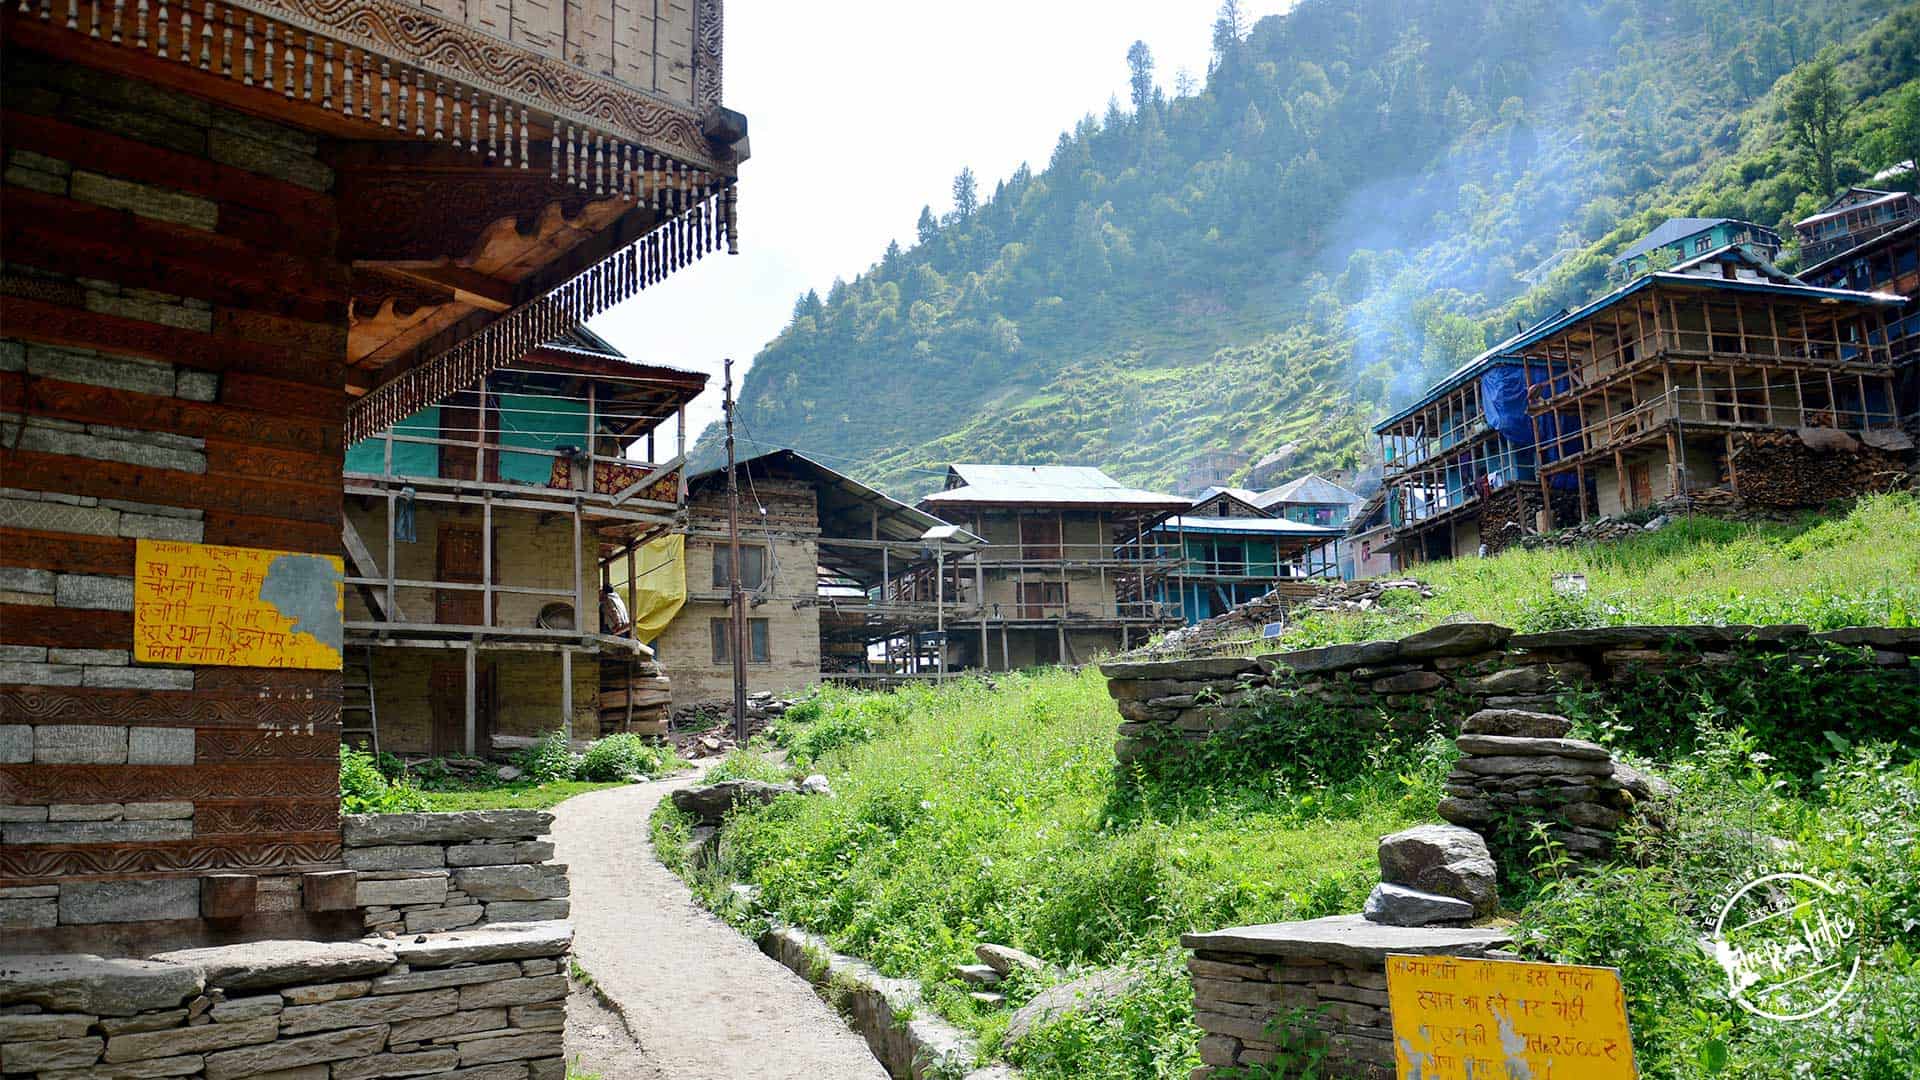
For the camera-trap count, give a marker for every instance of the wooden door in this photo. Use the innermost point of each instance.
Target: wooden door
(1039, 537)
(447, 701)
(1037, 597)
(459, 558)
(1640, 481)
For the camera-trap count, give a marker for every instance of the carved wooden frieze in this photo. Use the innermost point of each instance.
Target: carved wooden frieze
(294, 711)
(215, 818)
(212, 747)
(44, 785)
(83, 402)
(286, 853)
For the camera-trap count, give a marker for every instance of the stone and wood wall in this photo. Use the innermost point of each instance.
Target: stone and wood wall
(1450, 671)
(170, 367)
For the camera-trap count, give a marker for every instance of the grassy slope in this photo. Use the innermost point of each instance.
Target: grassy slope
(1861, 568)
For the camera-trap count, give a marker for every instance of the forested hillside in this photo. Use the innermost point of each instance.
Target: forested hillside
(1362, 194)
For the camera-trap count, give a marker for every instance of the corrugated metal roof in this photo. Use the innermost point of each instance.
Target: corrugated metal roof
(1044, 485)
(1670, 231)
(1833, 209)
(1311, 488)
(840, 495)
(1264, 526)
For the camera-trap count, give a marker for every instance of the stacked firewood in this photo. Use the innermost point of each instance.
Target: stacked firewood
(1813, 466)
(634, 696)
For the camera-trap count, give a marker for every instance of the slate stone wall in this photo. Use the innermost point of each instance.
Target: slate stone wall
(480, 1004)
(416, 873)
(1455, 668)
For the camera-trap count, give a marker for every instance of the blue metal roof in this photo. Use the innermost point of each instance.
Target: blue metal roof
(1548, 327)
(1671, 231)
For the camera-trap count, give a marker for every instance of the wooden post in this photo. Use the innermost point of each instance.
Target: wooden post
(593, 443)
(581, 624)
(1733, 477)
(566, 692)
(486, 558)
(473, 727)
(940, 609)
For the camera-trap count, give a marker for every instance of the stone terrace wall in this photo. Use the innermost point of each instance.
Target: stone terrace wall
(1248, 981)
(417, 873)
(1455, 668)
(480, 1004)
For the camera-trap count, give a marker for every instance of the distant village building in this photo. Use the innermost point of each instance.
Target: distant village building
(1228, 559)
(841, 581)
(1689, 237)
(1312, 500)
(1270, 471)
(1885, 261)
(1854, 217)
(1211, 469)
(475, 533)
(1066, 573)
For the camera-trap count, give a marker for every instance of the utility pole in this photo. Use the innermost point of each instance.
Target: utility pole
(737, 596)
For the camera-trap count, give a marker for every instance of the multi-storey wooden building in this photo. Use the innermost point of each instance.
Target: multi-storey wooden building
(1067, 570)
(238, 236)
(1887, 261)
(1650, 389)
(478, 533)
(1852, 218)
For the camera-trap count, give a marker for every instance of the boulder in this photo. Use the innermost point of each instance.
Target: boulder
(1454, 639)
(1444, 859)
(1516, 723)
(816, 784)
(709, 803)
(84, 983)
(1397, 905)
(1006, 959)
(1641, 786)
(1055, 1002)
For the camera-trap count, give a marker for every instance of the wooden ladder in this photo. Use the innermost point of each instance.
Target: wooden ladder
(356, 701)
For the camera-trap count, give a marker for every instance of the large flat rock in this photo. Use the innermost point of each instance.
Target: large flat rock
(257, 965)
(500, 941)
(1348, 939)
(1202, 667)
(1455, 639)
(84, 983)
(376, 830)
(1332, 657)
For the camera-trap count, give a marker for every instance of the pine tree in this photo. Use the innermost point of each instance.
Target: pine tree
(927, 228)
(1140, 74)
(1817, 108)
(966, 195)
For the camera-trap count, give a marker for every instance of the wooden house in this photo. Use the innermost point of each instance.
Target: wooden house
(1311, 500)
(1855, 216)
(237, 237)
(1650, 390)
(1067, 571)
(477, 532)
(1683, 238)
(1225, 561)
(1211, 468)
(1888, 262)
(842, 582)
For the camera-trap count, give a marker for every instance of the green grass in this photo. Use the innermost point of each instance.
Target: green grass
(970, 813)
(1861, 568)
(521, 796)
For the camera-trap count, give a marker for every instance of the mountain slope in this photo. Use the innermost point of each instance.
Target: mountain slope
(1344, 210)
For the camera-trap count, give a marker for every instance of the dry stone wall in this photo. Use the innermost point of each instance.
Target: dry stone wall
(487, 1003)
(417, 873)
(1449, 671)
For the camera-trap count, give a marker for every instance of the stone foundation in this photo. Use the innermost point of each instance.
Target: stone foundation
(1449, 671)
(417, 873)
(1259, 991)
(481, 1004)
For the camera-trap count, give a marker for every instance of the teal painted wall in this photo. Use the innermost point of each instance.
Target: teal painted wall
(529, 420)
(409, 459)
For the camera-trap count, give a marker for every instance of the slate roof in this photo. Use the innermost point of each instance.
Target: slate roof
(1044, 485)
(1312, 489)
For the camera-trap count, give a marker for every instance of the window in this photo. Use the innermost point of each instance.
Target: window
(1700, 245)
(757, 648)
(753, 566)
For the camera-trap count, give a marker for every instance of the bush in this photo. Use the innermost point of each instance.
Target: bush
(550, 759)
(830, 720)
(746, 765)
(364, 789)
(621, 755)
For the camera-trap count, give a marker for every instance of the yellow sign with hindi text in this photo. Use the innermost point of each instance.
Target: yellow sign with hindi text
(1463, 1019)
(237, 606)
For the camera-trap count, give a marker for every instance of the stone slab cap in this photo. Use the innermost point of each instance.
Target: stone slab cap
(1350, 940)
(500, 941)
(1455, 639)
(84, 983)
(1397, 905)
(1521, 746)
(1905, 638)
(1332, 657)
(1603, 636)
(1199, 667)
(257, 965)
(373, 830)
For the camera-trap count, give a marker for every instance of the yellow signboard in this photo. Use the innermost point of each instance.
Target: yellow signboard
(236, 606)
(1460, 1019)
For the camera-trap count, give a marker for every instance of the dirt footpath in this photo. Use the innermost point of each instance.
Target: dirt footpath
(702, 1001)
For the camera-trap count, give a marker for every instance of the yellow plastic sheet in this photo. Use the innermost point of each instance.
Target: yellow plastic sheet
(660, 567)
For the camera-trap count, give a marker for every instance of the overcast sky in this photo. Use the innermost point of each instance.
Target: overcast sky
(861, 112)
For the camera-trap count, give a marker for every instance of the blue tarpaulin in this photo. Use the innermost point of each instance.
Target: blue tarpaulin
(1503, 397)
